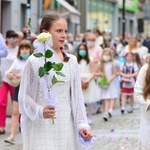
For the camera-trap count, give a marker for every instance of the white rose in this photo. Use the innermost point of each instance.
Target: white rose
(43, 37)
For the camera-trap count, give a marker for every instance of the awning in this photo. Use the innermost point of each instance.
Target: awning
(69, 7)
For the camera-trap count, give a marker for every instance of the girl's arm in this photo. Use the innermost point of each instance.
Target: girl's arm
(93, 70)
(28, 91)
(97, 71)
(8, 73)
(138, 89)
(112, 78)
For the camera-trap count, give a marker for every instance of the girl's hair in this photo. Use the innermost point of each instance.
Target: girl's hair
(26, 44)
(137, 60)
(146, 89)
(87, 59)
(102, 69)
(47, 23)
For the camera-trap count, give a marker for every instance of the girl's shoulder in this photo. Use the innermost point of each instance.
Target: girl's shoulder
(144, 67)
(72, 57)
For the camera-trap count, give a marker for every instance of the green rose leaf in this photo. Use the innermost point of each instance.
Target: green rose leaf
(54, 80)
(38, 55)
(60, 73)
(48, 66)
(48, 54)
(58, 66)
(46, 72)
(41, 71)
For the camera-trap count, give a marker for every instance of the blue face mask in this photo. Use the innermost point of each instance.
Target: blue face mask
(82, 53)
(24, 56)
(107, 38)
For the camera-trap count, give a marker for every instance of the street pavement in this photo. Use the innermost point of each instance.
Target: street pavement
(119, 133)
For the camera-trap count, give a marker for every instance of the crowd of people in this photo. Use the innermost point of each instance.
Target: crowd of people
(108, 71)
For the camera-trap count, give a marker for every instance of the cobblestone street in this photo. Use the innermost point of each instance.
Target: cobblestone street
(119, 133)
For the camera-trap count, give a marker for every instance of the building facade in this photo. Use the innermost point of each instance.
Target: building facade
(101, 14)
(131, 8)
(13, 15)
(67, 10)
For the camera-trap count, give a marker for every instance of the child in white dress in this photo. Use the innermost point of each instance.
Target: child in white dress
(87, 73)
(129, 71)
(108, 92)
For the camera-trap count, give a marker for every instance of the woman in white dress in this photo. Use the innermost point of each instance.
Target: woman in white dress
(87, 74)
(38, 131)
(142, 98)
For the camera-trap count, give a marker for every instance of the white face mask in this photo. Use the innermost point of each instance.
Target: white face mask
(90, 44)
(106, 58)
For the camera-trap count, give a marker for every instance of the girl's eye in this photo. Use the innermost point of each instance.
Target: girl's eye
(59, 31)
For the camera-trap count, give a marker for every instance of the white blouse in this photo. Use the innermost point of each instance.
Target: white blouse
(138, 92)
(32, 102)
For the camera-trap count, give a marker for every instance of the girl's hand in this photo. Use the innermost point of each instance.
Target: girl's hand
(126, 76)
(18, 76)
(10, 76)
(118, 73)
(49, 112)
(86, 134)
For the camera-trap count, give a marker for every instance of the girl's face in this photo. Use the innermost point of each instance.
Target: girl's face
(106, 56)
(82, 51)
(129, 57)
(82, 48)
(59, 33)
(132, 42)
(12, 41)
(25, 50)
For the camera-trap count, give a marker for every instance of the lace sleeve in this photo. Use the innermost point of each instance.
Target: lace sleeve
(28, 92)
(79, 112)
(138, 89)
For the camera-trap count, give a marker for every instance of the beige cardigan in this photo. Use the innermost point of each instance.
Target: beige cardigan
(138, 92)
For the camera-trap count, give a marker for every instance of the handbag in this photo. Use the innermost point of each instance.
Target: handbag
(15, 81)
(84, 85)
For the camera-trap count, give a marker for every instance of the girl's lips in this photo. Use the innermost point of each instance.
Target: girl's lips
(61, 41)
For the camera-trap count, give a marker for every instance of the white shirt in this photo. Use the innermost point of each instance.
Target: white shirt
(7, 62)
(132, 66)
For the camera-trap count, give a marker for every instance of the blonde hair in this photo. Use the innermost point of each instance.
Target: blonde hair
(136, 44)
(102, 68)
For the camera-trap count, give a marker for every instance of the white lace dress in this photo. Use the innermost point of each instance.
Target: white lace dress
(90, 94)
(39, 133)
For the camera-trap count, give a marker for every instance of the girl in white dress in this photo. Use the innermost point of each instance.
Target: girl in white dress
(142, 98)
(108, 93)
(87, 73)
(38, 131)
(14, 75)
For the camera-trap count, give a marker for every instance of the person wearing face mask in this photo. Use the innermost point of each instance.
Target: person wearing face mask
(107, 39)
(87, 73)
(93, 50)
(11, 42)
(108, 91)
(14, 75)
